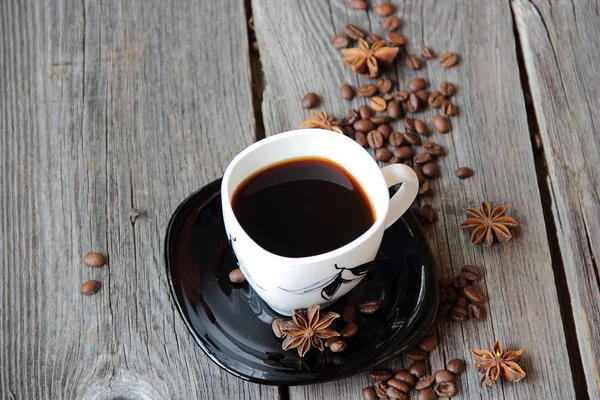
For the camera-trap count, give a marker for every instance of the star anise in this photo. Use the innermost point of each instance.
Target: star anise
(485, 224)
(308, 328)
(496, 363)
(322, 121)
(366, 60)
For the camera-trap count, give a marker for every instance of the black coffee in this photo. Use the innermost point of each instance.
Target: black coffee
(303, 207)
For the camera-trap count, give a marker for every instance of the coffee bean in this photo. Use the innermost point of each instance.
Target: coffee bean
(365, 112)
(442, 295)
(385, 130)
(364, 125)
(444, 310)
(417, 84)
(412, 62)
(441, 124)
(428, 343)
(473, 294)
(366, 90)
(445, 282)
(420, 127)
(340, 41)
(419, 172)
(471, 272)
(372, 38)
(395, 39)
(380, 388)
(361, 139)
(394, 160)
(406, 377)
(430, 170)
(444, 376)
(350, 118)
(94, 260)
(425, 382)
(379, 375)
(359, 5)
(375, 139)
(448, 89)
(395, 394)
(456, 366)
(396, 139)
(276, 327)
(436, 99)
(434, 149)
(413, 139)
(310, 100)
(413, 103)
(391, 23)
(449, 108)
(90, 287)
(346, 92)
(348, 131)
(476, 312)
(446, 389)
(448, 59)
(464, 172)
(349, 331)
(380, 119)
(354, 32)
(458, 313)
(451, 295)
(427, 53)
(462, 302)
(384, 85)
(400, 385)
(418, 369)
(427, 394)
(330, 341)
(403, 152)
(415, 354)
(423, 95)
(425, 189)
(236, 276)
(378, 104)
(369, 393)
(384, 10)
(348, 314)
(422, 158)
(338, 347)
(383, 154)
(401, 96)
(409, 124)
(459, 282)
(368, 307)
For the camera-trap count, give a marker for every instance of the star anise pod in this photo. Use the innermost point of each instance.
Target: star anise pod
(497, 363)
(366, 60)
(485, 224)
(308, 328)
(322, 121)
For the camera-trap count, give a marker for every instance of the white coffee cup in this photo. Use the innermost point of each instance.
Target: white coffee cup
(286, 283)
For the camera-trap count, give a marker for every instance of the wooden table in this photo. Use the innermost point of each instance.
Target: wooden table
(111, 105)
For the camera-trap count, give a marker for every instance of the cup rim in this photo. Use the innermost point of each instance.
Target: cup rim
(225, 194)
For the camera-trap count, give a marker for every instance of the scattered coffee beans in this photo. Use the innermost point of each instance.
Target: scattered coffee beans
(420, 127)
(340, 41)
(418, 369)
(430, 170)
(441, 124)
(446, 389)
(448, 59)
(415, 355)
(417, 84)
(338, 346)
(476, 312)
(378, 104)
(383, 154)
(369, 307)
(412, 62)
(391, 23)
(361, 138)
(349, 331)
(443, 376)
(354, 32)
(401, 96)
(403, 152)
(236, 276)
(369, 393)
(394, 110)
(384, 10)
(448, 89)
(276, 327)
(375, 140)
(384, 85)
(427, 394)
(449, 108)
(366, 90)
(428, 343)
(365, 112)
(406, 377)
(310, 100)
(473, 294)
(395, 40)
(364, 125)
(94, 260)
(359, 4)
(464, 172)
(471, 272)
(380, 119)
(346, 92)
(456, 366)
(436, 99)
(380, 375)
(423, 95)
(90, 287)
(396, 139)
(427, 53)
(425, 382)
(413, 103)
(434, 149)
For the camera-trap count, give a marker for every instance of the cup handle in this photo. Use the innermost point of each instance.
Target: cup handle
(404, 197)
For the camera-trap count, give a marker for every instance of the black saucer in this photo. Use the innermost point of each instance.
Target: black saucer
(233, 325)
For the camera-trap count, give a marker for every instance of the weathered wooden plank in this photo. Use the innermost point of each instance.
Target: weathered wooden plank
(490, 135)
(558, 46)
(105, 106)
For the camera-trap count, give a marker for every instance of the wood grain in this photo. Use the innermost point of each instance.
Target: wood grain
(490, 135)
(557, 41)
(106, 106)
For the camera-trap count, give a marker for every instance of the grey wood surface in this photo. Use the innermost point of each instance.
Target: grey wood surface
(490, 135)
(106, 106)
(559, 41)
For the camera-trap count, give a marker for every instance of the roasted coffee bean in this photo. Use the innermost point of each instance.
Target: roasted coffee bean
(417, 84)
(369, 393)
(375, 140)
(459, 282)
(331, 340)
(371, 38)
(338, 347)
(310, 100)
(451, 295)
(400, 385)
(442, 295)
(394, 160)
(384, 85)
(434, 149)
(413, 139)
(380, 388)
(395, 394)
(354, 32)
(448, 59)
(476, 312)
(445, 282)
(409, 124)
(90, 287)
(456, 366)
(473, 294)
(359, 5)
(380, 119)
(422, 158)
(446, 389)
(471, 272)
(428, 343)
(349, 131)
(401, 96)
(415, 354)
(348, 315)
(94, 260)
(366, 90)
(349, 331)
(412, 62)
(427, 394)
(464, 172)
(361, 138)
(413, 103)
(384, 10)
(462, 302)
(385, 130)
(459, 313)
(395, 39)
(427, 53)
(441, 124)
(351, 117)
(379, 375)
(391, 23)
(444, 376)
(276, 327)
(340, 41)
(403, 152)
(448, 89)
(236, 276)
(378, 104)
(444, 310)
(449, 108)
(436, 99)
(425, 189)
(420, 127)
(423, 95)
(368, 307)
(406, 377)
(419, 172)
(396, 139)
(383, 154)
(430, 170)
(418, 369)
(364, 125)
(346, 92)
(425, 382)
(387, 96)
(365, 112)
